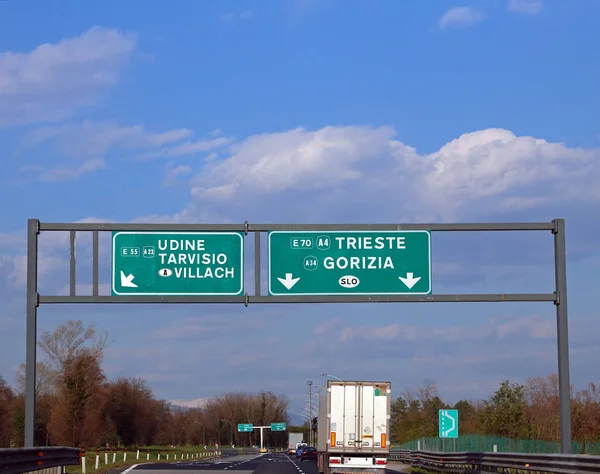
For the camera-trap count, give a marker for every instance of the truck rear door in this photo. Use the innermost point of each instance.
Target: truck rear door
(359, 416)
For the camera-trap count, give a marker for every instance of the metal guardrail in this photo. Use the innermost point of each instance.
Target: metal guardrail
(14, 461)
(498, 462)
(52, 460)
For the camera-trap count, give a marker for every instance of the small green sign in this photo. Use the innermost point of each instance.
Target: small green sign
(178, 263)
(244, 427)
(278, 426)
(349, 262)
(448, 423)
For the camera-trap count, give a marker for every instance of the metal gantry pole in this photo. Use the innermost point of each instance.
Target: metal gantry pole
(310, 417)
(562, 330)
(31, 337)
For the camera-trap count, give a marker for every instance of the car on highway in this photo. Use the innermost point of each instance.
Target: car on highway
(309, 452)
(300, 448)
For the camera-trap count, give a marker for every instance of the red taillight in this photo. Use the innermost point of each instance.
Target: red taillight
(335, 461)
(381, 461)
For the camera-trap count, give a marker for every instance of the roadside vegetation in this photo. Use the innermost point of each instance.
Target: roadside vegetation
(517, 411)
(77, 405)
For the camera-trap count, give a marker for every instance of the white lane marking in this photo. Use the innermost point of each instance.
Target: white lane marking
(295, 465)
(130, 469)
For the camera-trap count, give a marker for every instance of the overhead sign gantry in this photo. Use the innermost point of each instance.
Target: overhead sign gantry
(307, 263)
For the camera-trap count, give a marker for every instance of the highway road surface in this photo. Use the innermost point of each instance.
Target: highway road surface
(269, 463)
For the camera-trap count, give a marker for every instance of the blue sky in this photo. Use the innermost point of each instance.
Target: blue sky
(309, 111)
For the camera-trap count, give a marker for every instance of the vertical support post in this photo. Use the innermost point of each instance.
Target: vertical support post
(562, 331)
(83, 461)
(33, 226)
(262, 444)
(72, 264)
(310, 417)
(257, 263)
(95, 263)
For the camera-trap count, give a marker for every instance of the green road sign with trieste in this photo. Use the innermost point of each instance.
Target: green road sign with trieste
(177, 263)
(353, 262)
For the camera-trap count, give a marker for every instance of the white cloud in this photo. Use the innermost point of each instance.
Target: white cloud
(296, 159)
(52, 255)
(532, 326)
(348, 170)
(88, 138)
(68, 174)
(55, 80)
(327, 327)
(531, 7)
(357, 171)
(230, 17)
(196, 403)
(90, 141)
(176, 172)
(460, 17)
(47, 265)
(203, 327)
(189, 148)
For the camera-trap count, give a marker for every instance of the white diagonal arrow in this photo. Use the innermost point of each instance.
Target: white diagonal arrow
(410, 280)
(127, 281)
(288, 281)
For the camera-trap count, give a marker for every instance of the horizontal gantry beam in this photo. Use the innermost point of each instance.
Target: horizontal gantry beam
(246, 227)
(466, 298)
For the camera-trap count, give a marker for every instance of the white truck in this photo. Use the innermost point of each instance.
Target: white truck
(353, 427)
(294, 439)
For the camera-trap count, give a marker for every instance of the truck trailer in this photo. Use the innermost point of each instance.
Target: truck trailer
(353, 427)
(294, 439)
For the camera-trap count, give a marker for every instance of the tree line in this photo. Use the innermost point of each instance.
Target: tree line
(78, 406)
(526, 411)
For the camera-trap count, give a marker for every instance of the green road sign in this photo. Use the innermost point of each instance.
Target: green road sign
(245, 427)
(178, 263)
(278, 426)
(448, 423)
(353, 262)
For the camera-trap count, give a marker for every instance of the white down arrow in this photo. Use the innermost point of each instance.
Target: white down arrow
(410, 280)
(288, 281)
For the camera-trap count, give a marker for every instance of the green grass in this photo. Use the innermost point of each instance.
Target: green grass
(120, 464)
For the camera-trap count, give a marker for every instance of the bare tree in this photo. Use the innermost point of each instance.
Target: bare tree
(427, 392)
(409, 395)
(69, 339)
(45, 378)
